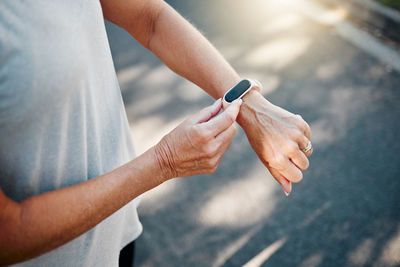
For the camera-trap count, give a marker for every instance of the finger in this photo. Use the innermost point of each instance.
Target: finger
(225, 147)
(223, 142)
(307, 131)
(208, 112)
(211, 164)
(225, 119)
(226, 135)
(221, 151)
(300, 160)
(305, 127)
(303, 142)
(309, 152)
(291, 172)
(285, 183)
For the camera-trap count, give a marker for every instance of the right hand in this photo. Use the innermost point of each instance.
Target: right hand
(197, 145)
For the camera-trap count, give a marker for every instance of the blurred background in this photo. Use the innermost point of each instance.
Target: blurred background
(314, 59)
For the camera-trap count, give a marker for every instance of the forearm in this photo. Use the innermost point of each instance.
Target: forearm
(47, 221)
(188, 53)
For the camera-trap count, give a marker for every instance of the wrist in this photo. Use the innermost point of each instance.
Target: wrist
(253, 101)
(162, 156)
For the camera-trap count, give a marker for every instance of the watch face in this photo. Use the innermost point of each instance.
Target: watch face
(237, 91)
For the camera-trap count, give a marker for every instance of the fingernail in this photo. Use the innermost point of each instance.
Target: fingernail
(240, 102)
(286, 187)
(287, 193)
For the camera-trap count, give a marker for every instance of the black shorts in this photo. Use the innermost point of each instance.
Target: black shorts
(127, 255)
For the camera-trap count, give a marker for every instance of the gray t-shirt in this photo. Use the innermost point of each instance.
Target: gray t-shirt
(62, 119)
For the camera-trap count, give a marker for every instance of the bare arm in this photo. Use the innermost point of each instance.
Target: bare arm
(190, 54)
(47, 221)
(44, 222)
(276, 135)
(162, 30)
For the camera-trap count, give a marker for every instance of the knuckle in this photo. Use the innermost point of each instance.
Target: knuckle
(308, 130)
(209, 164)
(300, 122)
(299, 117)
(214, 162)
(279, 161)
(209, 151)
(195, 130)
(211, 170)
(230, 117)
(304, 126)
(297, 134)
(214, 168)
(200, 133)
(291, 148)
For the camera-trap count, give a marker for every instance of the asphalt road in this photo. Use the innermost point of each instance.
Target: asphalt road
(346, 211)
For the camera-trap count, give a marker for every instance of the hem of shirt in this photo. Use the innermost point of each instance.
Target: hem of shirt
(135, 235)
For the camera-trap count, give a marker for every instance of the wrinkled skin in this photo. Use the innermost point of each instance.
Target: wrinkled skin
(197, 145)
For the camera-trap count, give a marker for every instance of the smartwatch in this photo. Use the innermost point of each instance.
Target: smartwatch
(239, 90)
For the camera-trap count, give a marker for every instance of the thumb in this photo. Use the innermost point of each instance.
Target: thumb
(224, 120)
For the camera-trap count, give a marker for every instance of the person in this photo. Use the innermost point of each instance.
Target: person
(68, 175)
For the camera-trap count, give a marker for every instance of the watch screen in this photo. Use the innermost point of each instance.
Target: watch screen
(237, 91)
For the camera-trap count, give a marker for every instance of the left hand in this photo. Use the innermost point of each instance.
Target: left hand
(278, 137)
